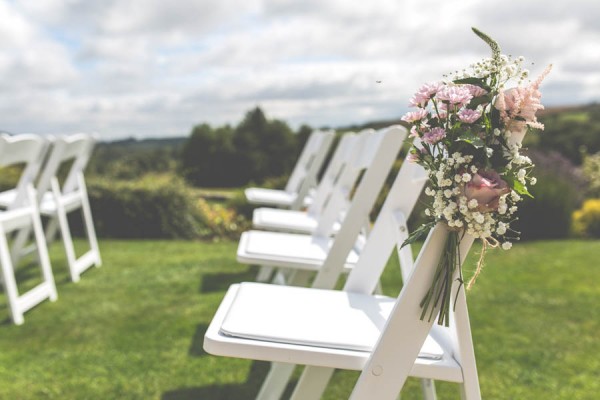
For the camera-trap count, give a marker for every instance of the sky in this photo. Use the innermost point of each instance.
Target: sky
(156, 68)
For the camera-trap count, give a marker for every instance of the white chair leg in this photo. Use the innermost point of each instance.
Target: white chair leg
(276, 381)
(312, 383)
(469, 390)
(65, 232)
(264, 273)
(89, 222)
(428, 386)
(8, 280)
(42, 248)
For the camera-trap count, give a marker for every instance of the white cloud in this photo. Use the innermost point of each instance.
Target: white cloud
(155, 68)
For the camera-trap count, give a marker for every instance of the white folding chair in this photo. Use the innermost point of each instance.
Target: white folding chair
(302, 179)
(302, 255)
(298, 221)
(402, 197)
(19, 217)
(324, 329)
(56, 201)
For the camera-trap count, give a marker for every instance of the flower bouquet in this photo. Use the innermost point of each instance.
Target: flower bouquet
(469, 129)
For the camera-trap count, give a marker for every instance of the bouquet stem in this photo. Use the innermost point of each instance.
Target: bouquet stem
(439, 295)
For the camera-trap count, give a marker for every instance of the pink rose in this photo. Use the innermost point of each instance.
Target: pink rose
(486, 187)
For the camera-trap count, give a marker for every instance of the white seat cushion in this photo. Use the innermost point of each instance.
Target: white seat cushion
(286, 250)
(270, 196)
(286, 220)
(311, 317)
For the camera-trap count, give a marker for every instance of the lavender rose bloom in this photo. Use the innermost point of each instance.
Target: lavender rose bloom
(486, 187)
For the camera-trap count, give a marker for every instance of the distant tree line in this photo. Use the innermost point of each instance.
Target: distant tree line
(255, 149)
(258, 148)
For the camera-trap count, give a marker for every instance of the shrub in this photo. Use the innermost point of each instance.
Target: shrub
(556, 195)
(219, 221)
(586, 221)
(155, 206)
(591, 170)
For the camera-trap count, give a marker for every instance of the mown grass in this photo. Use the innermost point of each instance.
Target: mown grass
(133, 329)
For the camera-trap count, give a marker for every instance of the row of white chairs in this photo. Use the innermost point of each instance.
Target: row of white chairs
(40, 194)
(354, 328)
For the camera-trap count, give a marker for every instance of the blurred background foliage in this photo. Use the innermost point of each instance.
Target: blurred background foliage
(192, 187)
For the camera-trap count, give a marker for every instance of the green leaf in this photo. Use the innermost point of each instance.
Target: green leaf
(418, 233)
(478, 101)
(473, 140)
(473, 81)
(519, 187)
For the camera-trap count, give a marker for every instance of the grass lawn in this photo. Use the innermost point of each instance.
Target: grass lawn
(133, 329)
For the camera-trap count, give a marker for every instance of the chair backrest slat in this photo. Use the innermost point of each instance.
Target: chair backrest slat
(76, 147)
(335, 168)
(389, 141)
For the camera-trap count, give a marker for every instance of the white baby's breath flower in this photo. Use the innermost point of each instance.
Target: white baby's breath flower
(502, 208)
(429, 191)
(439, 176)
(513, 209)
(506, 245)
(479, 218)
(497, 132)
(473, 203)
(532, 181)
(428, 212)
(474, 169)
(466, 177)
(501, 229)
(448, 193)
(515, 196)
(489, 151)
(463, 209)
(457, 178)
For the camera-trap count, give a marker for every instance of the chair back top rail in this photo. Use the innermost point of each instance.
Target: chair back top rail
(28, 149)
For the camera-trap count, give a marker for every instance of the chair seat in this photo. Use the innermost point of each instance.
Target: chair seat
(288, 250)
(7, 198)
(271, 197)
(286, 220)
(307, 326)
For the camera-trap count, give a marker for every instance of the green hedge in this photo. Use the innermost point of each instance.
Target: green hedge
(558, 192)
(155, 206)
